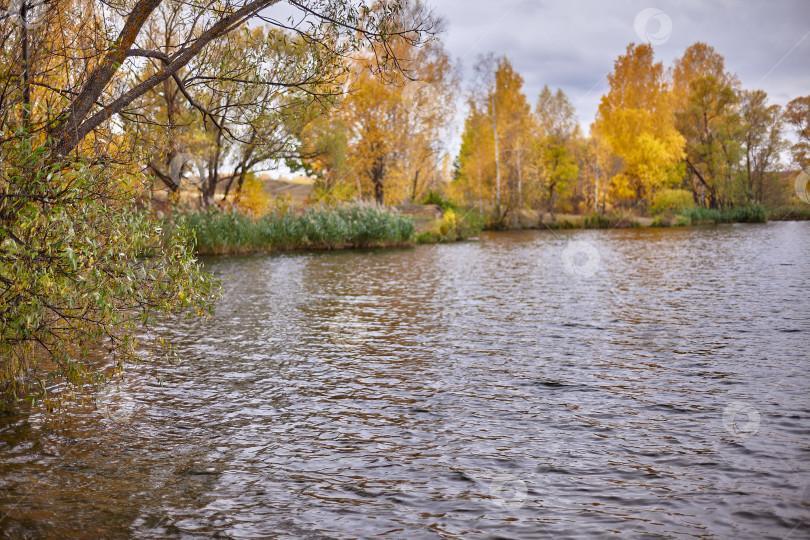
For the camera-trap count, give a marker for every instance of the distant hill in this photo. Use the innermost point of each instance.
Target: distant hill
(298, 189)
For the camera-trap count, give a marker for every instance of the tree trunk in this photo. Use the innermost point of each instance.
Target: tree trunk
(497, 162)
(415, 183)
(377, 172)
(480, 199)
(26, 68)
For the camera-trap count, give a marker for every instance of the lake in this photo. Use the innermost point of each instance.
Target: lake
(536, 384)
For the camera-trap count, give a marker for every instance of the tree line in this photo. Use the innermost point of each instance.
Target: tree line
(662, 138)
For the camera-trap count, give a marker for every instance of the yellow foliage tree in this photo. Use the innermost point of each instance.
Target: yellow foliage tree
(636, 118)
(392, 140)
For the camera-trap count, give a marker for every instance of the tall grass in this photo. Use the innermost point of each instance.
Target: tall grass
(751, 213)
(356, 225)
(789, 213)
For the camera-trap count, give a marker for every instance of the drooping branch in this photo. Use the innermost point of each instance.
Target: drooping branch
(76, 126)
(68, 126)
(180, 85)
(86, 112)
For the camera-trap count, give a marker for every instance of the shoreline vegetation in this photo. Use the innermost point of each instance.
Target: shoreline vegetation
(368, 225)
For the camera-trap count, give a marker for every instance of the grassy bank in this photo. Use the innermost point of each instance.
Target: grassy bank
(753, 213)
(790, 213)
(350, 226)
(367, 225)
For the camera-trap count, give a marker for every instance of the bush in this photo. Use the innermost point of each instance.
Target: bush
(332, 195)
(252, 199)
(81, 269)
(433, 197)
(598, 221)
(452, 227)
(671, 201)
(613, 221)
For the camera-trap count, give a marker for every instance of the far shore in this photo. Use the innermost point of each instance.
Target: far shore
(428, 217)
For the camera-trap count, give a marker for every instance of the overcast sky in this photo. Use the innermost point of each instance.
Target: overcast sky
(572, 44)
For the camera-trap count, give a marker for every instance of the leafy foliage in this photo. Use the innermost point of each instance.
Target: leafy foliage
(455, 225)
(80, 269)
(636, 118)
(671, 201)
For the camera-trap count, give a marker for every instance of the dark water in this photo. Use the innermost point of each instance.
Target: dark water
(653, 385)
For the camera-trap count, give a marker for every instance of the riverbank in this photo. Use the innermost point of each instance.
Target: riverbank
(360, 226)
(693, 216)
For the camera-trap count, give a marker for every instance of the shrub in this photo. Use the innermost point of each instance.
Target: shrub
(612, 221)
(671, 201)
(434, 197)
(334, 194)
(453, 226)
(81, 269)
(252, 199)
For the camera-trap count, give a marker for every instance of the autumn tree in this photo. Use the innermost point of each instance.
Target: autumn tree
(797, 114)
(597, 165)
(429, 108)
(557, 140)
(323, 154)
(387, 135)
(517, 131)
(762, 144)
(636, 118)
(708, 117)
(474, 176)
(498, 139)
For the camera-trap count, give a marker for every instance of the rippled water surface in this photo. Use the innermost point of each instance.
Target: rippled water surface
(473, 390)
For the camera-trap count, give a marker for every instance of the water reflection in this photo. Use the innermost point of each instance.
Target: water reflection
(466, 390)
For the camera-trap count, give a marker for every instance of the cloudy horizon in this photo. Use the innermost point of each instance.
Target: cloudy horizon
(574, 45)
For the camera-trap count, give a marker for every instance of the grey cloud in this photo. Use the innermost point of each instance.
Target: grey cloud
(573, 44)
